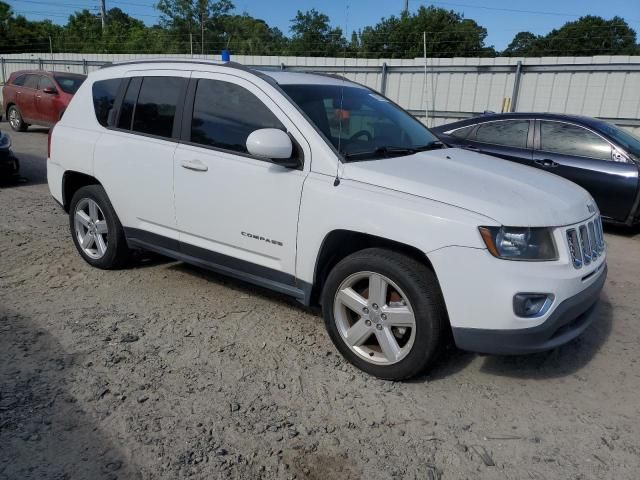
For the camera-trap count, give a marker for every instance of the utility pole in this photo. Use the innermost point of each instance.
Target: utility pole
(103, 14)
(202, 32)
(406, 7)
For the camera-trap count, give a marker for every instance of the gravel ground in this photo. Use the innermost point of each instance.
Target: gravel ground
(164, 371)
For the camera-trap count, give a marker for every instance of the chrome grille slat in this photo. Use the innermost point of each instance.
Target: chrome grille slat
(586, 242)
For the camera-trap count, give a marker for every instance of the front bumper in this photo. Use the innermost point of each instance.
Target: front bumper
(569, 319)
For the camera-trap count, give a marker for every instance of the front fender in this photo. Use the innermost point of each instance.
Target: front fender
(423, 224)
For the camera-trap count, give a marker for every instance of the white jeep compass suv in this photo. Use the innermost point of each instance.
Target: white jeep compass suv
(325, 190)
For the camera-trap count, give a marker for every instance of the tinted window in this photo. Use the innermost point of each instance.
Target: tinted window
(46, 83)
(463, 132)
(19, 81)
(156, 106)
(224, 115)
(568, 139)
(128, 103)
(32, 81)
(69, 84)
(506, 132)
(104, 94)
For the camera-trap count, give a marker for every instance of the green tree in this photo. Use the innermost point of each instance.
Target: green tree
(587, 36)
(245, 35)
(524, 43)
(313, 36)
(202, 18)
(448, 34)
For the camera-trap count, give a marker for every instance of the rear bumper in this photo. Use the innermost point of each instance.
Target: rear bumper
(569, 319)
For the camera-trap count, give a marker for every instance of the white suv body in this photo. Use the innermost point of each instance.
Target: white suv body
(178, 151)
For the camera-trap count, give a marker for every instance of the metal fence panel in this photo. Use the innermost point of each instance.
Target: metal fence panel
(448, 88)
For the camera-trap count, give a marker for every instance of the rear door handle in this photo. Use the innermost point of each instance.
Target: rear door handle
(546, 163)
(195, 165)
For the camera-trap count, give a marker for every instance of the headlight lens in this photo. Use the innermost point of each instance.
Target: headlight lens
(520, 243)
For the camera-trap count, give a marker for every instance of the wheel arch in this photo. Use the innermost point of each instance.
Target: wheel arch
(338, 244)
(72, 181)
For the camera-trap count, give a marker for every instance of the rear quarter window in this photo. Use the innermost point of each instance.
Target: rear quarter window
(19, 80)
(104, 96)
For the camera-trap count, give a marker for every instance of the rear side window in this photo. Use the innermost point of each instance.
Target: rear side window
(225, 114)
(569, 139)
(463, 132)
(32, 81)
(104, 96)
(156, 106)
(506, 132)
(19, 81)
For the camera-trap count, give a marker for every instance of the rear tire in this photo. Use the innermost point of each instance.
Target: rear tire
(15, 119)
(395, 333)
(96, 229)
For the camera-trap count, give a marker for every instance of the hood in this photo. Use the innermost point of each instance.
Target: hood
(511, 194)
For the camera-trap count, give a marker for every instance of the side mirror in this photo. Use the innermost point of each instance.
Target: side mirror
(50, 90)
(272, 144)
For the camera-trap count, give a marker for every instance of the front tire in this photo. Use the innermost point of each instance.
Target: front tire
(385, 313)
(15, 119)
(96, 229)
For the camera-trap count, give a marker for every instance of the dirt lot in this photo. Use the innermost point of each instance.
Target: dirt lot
(164, 371)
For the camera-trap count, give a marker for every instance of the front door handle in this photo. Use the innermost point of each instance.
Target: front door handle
(195, 165)
(546, 163)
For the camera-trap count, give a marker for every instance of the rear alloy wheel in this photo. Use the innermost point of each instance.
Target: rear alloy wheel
(96, 229)
(91, 228)
(385, 313)
(15, 119)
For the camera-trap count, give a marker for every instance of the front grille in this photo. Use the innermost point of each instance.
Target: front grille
(586, 242)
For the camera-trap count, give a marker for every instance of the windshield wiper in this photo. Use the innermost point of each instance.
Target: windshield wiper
(390, 151)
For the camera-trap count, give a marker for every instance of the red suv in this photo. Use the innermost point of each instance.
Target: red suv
(38, 97)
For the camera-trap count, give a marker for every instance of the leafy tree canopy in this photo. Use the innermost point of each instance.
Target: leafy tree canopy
(209, 26)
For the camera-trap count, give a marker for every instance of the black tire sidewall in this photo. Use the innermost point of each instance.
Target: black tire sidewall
(116, 245)
(420, 286)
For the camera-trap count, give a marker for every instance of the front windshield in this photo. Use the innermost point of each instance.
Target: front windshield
(626, 139)
(69, 84)
(360, 123)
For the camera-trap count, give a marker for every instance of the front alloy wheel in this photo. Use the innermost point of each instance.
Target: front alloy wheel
(384, 312)
(375, 318)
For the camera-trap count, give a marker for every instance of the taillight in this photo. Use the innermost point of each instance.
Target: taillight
(49, 142)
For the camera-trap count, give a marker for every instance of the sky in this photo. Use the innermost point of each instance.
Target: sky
(502, 18)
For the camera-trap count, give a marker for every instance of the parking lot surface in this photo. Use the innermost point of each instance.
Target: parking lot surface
(165, 371)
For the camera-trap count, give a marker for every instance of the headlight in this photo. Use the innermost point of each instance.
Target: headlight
(520, 243)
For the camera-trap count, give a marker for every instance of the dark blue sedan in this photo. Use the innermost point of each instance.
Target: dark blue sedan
(599, 156)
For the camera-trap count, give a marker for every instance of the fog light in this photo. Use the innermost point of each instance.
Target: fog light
(531, 304)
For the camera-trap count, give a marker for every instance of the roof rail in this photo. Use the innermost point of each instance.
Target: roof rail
(218, 63)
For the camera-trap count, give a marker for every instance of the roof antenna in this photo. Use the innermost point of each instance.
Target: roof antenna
(336, 181)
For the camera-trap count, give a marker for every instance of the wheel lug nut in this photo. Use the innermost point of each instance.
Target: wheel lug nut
(383, 316)
(375, 306)
(367, 323)
(379, 327)
(365, 310)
